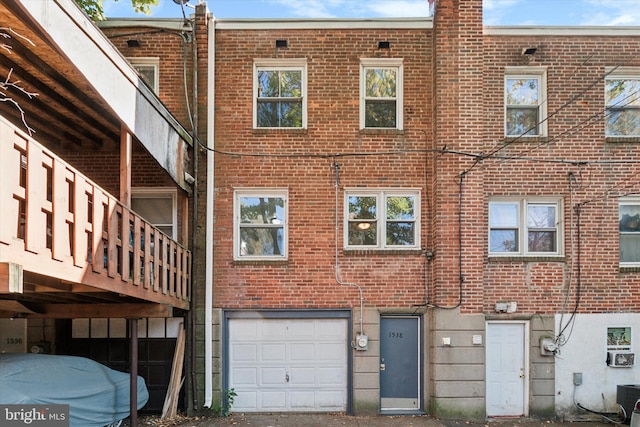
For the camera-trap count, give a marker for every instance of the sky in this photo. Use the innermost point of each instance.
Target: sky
(496, 12)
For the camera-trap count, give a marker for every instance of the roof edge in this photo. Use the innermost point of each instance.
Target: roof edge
(548, 30)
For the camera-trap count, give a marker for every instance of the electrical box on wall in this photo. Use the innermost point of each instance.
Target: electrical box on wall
(620, 359)
(547, 346)
(362, 342)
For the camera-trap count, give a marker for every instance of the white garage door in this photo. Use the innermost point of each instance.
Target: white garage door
(288, 365)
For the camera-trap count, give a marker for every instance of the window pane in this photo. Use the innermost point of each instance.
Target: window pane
(267, 114)
(268, 84)
(541, 216)
(622, 122)
(381, 83)
(291, 84)
(522, 121)
(503, 215)
(400, 233)
(400, 207)
(381, 114)
(363, 233)
(522, 91)
(622, 92)
(261, 210)
(542, 241)
(630, 247)
(629, 217)
(261, 241)
(290, 114)
(503, 241)
(362, 207)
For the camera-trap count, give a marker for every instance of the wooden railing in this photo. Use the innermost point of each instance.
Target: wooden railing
(56, 222)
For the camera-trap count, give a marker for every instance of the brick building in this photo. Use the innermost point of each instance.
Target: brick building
(414, 215)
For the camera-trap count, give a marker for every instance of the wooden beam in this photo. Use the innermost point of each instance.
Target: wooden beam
(79, 311)
(11, 278)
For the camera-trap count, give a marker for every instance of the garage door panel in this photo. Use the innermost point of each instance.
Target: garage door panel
(296, 364)
(302, 351)
(272, 330)
(303, 400)
(274, 352)
(330, 351)
(248, 401)
(244, 352)
(303, 376)
(273, 376)
(273, 400)
(244, 329)
(331, 376)
(246, 376)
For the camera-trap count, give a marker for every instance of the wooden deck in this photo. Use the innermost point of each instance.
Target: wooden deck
(64, 240)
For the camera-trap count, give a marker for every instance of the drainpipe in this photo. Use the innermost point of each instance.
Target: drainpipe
(208, 299)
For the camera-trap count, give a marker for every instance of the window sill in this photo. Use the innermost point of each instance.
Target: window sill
(525, 139)
(279, 131)
(622, 139)
(378, 251)
(260, 261)
(521, 258)
(381, 131)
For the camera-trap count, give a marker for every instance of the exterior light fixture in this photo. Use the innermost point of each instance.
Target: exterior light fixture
(133, 43)
(529, 50)
(384, 45)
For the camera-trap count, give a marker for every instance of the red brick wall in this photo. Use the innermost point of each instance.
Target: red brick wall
(307, 279)
(575, 94)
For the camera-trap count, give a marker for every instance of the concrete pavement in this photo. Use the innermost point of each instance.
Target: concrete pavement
(341, 420)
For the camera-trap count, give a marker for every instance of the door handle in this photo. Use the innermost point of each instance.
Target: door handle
(286, 377)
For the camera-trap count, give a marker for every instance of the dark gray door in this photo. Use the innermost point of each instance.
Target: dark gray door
(400, 363)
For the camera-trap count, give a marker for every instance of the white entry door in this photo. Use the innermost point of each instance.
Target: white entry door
(507, 369)
(288, 365)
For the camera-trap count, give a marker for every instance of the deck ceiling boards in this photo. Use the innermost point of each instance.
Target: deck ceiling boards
(66, 112)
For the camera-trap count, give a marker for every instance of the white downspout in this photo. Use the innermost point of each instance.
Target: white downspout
(208, 293)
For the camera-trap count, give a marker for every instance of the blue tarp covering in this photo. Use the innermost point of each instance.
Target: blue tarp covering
(96, 394)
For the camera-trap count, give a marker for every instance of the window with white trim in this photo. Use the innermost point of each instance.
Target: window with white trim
(260, 224)
(525, 227)
(147, 68)
(158, 206)
(280, 93)
(629, 231)
(382, 219)
(381, 90)
(525, 101)
(622, 102)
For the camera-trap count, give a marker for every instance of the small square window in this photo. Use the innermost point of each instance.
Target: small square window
(382, 219)
(260, 224)
(524, 227)
(147, 69)
(280, 94)
(622, 103)
(525, 102)
(619, 338)
(381, 89)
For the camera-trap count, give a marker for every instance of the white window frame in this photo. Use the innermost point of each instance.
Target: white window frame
(618, 346)
(160, 192)
(620, 73)
(274, 64)
(540, 74)
(375, 63)
(627, 201)
(151, 62)
(260, 192)
(381, 196)
(522, 229)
